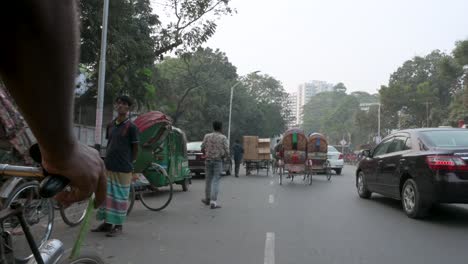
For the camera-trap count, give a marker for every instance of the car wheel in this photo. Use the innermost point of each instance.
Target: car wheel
(413, 204)
(338, 171)
(362, 186)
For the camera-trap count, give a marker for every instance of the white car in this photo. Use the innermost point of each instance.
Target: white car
(336, 159)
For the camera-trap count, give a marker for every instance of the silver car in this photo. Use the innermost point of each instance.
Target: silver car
(336, 159)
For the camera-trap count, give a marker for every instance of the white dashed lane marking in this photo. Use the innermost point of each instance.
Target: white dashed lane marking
(269, 248)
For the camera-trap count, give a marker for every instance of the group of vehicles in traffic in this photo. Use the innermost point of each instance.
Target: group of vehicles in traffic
(298, 154)
(420, 167)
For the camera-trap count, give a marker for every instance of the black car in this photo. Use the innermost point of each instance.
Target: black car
(421, 167)
(196, 159)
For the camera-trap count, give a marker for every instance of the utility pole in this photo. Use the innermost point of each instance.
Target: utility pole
(102, 78)
(378, 130)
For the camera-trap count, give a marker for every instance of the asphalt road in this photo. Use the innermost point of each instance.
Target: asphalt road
(263, 222)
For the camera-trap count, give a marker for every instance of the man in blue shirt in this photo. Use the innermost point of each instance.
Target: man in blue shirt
(121, 152)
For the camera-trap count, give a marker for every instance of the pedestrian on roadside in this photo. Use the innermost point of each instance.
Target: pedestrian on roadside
(121, 153)
(238, 151)
(215, 147)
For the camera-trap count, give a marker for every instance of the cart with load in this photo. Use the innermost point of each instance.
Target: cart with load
(256, 154)
(317, 163)
(293, 148)
(161, 162)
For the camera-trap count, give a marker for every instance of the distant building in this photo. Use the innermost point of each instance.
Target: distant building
(305, 91)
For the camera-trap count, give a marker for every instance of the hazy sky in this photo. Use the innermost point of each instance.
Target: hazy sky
(357, 42)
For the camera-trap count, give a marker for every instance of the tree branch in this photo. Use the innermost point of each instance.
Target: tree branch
(200, 16)
(167, 48)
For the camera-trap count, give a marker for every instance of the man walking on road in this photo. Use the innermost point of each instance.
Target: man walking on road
(238, 151)
(122, 151)
(215, 146)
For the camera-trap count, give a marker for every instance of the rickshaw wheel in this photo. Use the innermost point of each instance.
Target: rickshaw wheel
(157, 198)
(131, 199)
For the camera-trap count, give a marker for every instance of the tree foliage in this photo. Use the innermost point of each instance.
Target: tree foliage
(421, 90)
(194, 89)
(138, 37)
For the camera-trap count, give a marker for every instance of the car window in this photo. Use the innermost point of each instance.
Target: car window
(194, 146)
(446, 138)
(332, 149)
(408, 144)
(398, 144)
(382, 147)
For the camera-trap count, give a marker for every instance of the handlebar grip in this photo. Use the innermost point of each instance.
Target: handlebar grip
(52, 185)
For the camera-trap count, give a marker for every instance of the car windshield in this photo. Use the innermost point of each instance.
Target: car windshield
(194, 146)
(332, 149)
(447, 138)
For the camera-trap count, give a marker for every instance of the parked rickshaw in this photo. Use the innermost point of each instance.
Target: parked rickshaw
(161, 162)
(317, 162)
(292, 154)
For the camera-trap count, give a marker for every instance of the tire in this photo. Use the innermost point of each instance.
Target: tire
(361, 186)
(412, 202)
(85, 257)
(40, 226)
(148, 199)
(75, 213)
(185, 184)
(338, 171)
(131, 199)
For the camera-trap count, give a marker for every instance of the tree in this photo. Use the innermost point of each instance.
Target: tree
(271, 100)
(421, 88)
(130, 50)
(194, 89)
(332, 114)
(137, 38)
(193, 24)
(339, 88)
(184, 82)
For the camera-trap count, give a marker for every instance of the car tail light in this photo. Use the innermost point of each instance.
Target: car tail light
(341, 156)
(450, 163)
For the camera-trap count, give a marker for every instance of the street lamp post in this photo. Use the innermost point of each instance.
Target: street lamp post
(101, 78)
(230, 106)
(378, 120)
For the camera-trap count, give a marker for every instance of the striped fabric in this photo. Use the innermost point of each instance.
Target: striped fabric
(115, 209)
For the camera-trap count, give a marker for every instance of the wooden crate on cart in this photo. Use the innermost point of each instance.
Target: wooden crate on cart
(263, 149)
(256, 153)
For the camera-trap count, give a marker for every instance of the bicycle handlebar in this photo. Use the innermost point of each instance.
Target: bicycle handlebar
(49, 187)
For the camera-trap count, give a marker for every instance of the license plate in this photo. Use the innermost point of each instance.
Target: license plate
(192, 157)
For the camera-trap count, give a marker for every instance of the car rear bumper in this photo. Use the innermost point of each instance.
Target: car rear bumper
(336, 164)
(450, 189)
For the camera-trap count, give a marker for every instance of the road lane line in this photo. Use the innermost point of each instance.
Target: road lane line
(271, 199)
(269, 248)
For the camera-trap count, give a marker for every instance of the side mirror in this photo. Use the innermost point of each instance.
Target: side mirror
(366, 153)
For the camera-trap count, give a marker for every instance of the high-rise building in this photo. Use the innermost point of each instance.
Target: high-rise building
(305, 91)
